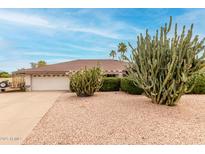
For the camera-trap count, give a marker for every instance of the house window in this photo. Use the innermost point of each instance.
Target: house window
(125, 74)
(110, 75)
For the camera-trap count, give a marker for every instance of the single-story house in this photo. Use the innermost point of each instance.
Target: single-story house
(56, 76)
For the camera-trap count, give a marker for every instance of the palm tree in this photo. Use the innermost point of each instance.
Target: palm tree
(113, 54)
(122, 48)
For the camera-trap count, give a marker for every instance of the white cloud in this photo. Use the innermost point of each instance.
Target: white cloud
(105, 26)
(49, 54)
(194, 16)
(59, 60)
(43, 22)
(191, 16)
(100, 32)
(86, 48)
(17, 62)
(25, 19)
(4, 43)
(9, 66)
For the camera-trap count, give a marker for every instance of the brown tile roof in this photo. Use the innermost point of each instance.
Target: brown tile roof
(108, 65)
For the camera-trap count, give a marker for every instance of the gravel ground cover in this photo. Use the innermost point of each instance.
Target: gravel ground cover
(120, 118)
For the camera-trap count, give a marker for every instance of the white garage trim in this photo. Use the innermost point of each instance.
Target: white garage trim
(49, 82)
(28, 82)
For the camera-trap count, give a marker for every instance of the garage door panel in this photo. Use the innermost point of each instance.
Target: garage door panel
(50, 83)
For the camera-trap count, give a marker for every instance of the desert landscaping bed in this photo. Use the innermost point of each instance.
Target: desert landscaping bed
(120, 118)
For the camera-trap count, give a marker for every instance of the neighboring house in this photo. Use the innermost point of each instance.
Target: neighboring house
(56, 76)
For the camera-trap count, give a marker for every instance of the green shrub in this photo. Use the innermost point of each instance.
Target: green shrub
(128, 86)
(110, 84)
(4, 75)
(86, 82)
(198, 83)
(71, 87)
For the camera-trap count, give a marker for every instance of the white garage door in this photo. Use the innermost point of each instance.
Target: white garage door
(50, 83)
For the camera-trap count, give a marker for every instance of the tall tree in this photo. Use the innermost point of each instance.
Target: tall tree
(113, 54)
(122, 48)
(4, 75)
(41, 63)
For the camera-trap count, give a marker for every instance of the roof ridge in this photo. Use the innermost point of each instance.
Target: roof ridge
(96, 59)
(76, 63)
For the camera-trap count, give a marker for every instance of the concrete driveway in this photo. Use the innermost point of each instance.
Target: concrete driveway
(21, 111)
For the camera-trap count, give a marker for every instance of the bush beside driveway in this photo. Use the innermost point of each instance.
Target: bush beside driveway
(120, 118)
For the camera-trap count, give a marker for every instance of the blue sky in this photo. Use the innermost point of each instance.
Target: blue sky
(58, 35)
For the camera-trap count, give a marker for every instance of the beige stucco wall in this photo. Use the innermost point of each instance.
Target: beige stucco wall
(27, 79)
(42, 82)
(5, 79)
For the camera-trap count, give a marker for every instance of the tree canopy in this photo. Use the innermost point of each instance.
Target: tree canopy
(4, 75)
(40, 63)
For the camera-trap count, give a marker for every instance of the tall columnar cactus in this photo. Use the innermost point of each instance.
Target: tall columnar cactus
(162, 65)
(86, 82)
